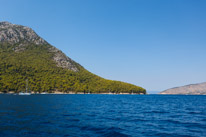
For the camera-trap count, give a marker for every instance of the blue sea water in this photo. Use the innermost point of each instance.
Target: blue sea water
(103, 115)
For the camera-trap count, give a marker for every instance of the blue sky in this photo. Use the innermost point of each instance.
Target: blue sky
(156, 44)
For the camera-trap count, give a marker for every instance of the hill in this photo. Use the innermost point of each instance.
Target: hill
(193, 89)
(25, 55)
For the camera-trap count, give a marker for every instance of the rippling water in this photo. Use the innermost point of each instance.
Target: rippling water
(103, 115)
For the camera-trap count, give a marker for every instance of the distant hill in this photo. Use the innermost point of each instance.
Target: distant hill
(193, 89)
(25, 55)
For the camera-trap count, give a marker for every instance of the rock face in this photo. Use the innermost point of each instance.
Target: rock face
(193, 89)
(12, 34)
(22, 36)
(62, 60)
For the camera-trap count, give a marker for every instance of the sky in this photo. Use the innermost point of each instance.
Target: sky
(155, 44)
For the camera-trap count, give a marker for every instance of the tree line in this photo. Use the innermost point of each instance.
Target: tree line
(35, 64)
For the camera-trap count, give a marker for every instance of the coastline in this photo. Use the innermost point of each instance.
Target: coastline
(70, 93)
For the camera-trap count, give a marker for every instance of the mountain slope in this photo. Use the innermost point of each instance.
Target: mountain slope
(25, 55)
(196, 89)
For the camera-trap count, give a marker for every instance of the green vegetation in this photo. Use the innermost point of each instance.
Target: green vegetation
(35, 64)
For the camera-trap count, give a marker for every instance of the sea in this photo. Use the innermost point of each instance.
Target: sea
(93, 115)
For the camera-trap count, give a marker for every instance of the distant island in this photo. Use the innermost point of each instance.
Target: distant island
(26, 56)
(193, 89)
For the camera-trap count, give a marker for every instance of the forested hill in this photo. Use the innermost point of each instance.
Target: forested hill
(25, 55)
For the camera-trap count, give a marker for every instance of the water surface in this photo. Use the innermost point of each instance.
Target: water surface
(103, 115)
